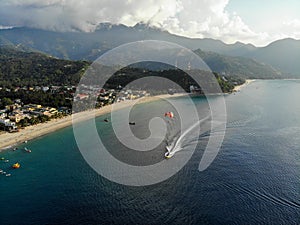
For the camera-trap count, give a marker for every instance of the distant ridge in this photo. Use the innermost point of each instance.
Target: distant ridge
(238, 66)
(282, 55)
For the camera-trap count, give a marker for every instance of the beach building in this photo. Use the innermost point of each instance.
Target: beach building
(16, 116)
(7, 125)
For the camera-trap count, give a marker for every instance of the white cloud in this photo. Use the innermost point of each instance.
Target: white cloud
(193, 18)
(291, 28)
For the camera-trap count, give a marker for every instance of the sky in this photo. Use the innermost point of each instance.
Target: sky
(258, 22)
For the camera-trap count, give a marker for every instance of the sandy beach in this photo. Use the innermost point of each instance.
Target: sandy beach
(8, 140)
(239, 87)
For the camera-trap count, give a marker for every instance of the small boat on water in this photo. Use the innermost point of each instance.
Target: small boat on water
(27, 150)
(6, 160)
(106, 120)
(16, 166)
(168, 154)
(132, 123)
(8, 175)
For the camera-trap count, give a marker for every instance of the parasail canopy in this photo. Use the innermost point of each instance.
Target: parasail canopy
(169, 114)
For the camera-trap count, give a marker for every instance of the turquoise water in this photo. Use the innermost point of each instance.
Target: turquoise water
(255, 178)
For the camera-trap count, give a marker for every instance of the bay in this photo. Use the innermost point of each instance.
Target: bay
(255, 178)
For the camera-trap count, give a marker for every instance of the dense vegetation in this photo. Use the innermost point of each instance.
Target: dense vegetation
(127, 75)
(19, 68)
(282, 55)
(238, 66)
(38, 119)
(57, 99)
(21, 72)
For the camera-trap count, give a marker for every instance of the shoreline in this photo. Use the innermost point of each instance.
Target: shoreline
(9, 140)
(239, 87)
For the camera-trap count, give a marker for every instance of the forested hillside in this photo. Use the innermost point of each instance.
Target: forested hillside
(20, 68)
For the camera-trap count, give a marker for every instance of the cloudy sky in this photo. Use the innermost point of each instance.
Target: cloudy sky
(250, 21)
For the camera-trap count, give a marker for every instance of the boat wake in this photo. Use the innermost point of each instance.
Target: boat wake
(265, 196)
(176, 144)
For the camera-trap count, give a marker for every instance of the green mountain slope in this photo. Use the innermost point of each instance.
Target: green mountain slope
(282, 55)
(19, 68)
(89, 46)
(238, 66)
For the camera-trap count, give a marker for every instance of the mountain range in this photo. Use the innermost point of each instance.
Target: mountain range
(277, 60)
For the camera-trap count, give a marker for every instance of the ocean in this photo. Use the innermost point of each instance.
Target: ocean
(255, 178)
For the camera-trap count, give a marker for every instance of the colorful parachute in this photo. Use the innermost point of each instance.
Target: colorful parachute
(169, 114)
(16, 166)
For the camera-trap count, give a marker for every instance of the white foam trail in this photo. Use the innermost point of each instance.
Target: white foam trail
(176, 145)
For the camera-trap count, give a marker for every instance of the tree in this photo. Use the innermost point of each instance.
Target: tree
(6, 101)
(33, 120)
(24, 122)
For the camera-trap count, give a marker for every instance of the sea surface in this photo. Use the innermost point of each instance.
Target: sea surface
(255, 178)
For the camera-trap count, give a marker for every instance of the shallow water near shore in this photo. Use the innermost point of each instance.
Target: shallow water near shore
(255, 178)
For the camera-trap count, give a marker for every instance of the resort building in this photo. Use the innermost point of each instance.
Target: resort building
(7, 125)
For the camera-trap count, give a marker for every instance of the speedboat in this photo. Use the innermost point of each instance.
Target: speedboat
(132, 123)
(27, 150)
(168, 155)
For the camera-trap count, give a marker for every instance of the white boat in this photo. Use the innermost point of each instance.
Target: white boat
(169, 154)
(27, 150)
